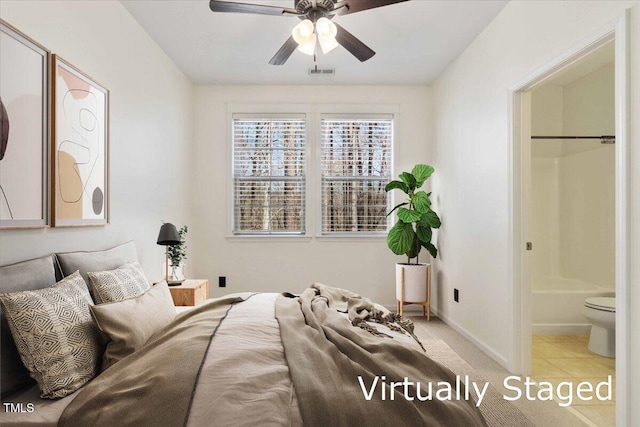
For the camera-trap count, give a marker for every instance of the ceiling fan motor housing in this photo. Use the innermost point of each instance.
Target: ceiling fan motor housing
(306, 7)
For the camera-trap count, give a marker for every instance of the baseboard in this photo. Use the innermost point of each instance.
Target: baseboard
(500, 359)
(560, 329)
(459, 329)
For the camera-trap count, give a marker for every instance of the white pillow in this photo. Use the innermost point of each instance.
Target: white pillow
(130, 323)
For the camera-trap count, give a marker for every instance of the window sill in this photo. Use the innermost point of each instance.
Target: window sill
(303, 239)
(352, 238)
(268, 238)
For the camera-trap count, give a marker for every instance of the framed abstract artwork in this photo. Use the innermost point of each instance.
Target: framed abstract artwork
(80, 153)
(24, 130)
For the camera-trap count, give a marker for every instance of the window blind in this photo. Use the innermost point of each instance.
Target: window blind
(269, 175)
(356, 165)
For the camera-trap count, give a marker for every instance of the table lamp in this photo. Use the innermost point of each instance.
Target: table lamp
(168, 236)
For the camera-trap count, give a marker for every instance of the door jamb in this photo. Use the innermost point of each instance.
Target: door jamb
(520, 289)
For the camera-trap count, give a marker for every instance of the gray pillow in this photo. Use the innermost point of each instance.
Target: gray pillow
(27, 275)
(107, 259)
(126, 281)
(55, 335)
(130, 323)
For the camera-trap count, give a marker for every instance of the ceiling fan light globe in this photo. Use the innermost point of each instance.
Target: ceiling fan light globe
(308, 46)
(324, 27)
(302, 32)
(327, 43)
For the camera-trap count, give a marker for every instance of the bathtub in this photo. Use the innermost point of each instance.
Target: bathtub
(556, 305)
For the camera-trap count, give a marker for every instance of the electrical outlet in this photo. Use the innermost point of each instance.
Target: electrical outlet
(222, 282)
(456, 295)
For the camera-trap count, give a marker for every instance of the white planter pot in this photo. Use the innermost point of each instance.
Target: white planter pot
(412, 278)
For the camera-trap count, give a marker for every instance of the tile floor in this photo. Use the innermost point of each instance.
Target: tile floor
(558, 358)
(540, 413)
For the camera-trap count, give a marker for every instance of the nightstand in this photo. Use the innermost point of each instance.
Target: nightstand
(190, 292)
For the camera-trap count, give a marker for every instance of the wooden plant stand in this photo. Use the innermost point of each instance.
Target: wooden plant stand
(426, 305)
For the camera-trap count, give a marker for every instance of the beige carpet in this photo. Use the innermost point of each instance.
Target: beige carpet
(460, 355)
(496, 411)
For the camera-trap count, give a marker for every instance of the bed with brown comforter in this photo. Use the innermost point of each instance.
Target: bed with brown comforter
(327, 357)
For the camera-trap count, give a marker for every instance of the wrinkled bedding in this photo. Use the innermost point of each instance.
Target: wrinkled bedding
(247, 376)
(42, 413)
(333, 360)
(268, 360)
(154, 385)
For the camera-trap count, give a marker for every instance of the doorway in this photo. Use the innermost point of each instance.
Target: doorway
(521, 241)
(572, 229)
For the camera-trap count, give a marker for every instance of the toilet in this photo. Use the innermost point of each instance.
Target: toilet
(601, 313)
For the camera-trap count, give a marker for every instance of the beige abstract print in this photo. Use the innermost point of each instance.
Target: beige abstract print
(80, 148)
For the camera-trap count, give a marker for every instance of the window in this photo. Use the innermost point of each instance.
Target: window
(269, 174)
(356, 165)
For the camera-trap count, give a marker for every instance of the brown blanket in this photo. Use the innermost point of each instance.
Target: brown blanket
(153, 386)
(334, 365)
(326, 354)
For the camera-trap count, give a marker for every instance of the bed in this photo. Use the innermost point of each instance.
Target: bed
(324, 357)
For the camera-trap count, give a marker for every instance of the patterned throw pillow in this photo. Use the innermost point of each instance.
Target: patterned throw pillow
(124, 282)
(55, 335)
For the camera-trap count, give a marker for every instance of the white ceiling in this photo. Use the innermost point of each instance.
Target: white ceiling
(414, 41)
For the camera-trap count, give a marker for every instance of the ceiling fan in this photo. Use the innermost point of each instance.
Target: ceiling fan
(317, 24)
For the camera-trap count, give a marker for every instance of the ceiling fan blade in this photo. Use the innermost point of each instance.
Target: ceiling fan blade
(232, 6)
(353, 45)
(351, 6)
(285, 52)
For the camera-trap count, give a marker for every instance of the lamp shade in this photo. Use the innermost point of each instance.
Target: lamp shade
(308, 46)
(327, 32)
(168, 235)
(304, 35)
(303, 31)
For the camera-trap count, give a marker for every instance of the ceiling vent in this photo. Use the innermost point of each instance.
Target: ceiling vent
(327, 72)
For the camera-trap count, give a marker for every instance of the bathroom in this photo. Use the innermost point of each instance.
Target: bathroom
(573, 227)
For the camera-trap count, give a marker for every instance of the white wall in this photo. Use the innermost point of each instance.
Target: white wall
(589, 106)
(365, 266)
(587, 216)
(546, 119)
(573, 181)
(633, 300)
(471, 152)
(545, 217)
(150, 126)
(587, 180)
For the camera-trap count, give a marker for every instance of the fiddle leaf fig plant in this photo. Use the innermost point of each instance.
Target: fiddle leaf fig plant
(416, 219)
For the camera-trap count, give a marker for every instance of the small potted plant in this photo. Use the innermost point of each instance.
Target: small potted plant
(412, 232)
(177, 254)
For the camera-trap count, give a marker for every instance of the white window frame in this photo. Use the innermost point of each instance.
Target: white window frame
(359, 116)
(356, 111)
(313, 197)
(266, 111)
